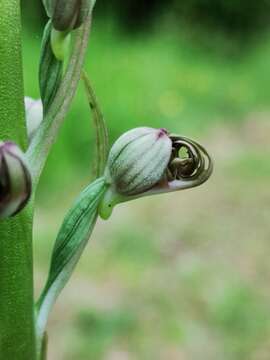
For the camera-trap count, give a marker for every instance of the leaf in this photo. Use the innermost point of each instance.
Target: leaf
(102, 142)
(70, 243)
(50, 70)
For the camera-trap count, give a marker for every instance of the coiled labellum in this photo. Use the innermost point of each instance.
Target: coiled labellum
(15, 180)
(147, 161)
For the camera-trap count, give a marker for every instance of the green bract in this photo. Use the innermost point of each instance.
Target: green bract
(15, 180)
(50, 70)
(70, 243)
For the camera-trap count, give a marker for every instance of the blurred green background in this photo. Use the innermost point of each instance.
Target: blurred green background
(183, 276)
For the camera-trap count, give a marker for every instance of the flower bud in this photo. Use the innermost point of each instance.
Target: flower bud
(138, 160)
(146, 161)
(69, 15)
(34, 115)
(15, 180)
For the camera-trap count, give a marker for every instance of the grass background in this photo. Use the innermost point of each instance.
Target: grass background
(183, 276)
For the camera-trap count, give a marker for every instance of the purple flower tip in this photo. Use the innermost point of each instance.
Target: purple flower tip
(162, 132)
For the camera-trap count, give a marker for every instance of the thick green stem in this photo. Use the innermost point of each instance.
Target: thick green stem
(17, 339)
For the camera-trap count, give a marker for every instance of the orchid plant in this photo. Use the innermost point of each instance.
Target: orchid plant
(143, 161)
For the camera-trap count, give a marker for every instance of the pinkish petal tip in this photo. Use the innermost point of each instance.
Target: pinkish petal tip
(162, 132)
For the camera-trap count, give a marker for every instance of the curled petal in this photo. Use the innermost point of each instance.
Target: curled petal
(188, 172)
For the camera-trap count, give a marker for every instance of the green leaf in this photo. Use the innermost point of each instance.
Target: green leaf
(102, 142)
(70, 243)
(50, 70)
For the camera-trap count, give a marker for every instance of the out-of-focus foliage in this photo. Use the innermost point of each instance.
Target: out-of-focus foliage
(234, 16)
(183, 276)
(242, 17)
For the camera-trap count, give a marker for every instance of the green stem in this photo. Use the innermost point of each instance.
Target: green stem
(17, 339)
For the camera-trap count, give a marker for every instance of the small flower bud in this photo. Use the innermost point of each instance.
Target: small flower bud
(138, 160)
(15, 180)
(69, 15)
(34, 115)
(146, 161)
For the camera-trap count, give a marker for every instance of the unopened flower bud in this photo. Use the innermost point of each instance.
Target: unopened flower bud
(15, 180)
(69, 15)
(34, 115)
(146, 161)
(138, 160)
